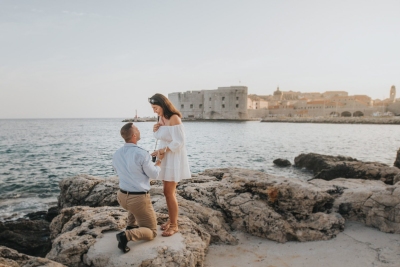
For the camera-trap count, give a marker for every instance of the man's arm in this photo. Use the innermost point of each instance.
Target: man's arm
(149, 169)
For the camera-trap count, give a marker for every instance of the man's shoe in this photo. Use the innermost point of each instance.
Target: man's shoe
(131, 227)
(122, 242)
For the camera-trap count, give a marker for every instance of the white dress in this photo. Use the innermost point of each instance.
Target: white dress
(175, 165)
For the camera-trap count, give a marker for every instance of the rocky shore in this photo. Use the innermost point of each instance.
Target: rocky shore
(217, 208)
(347, 120)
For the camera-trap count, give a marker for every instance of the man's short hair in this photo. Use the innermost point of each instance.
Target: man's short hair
(127, 131)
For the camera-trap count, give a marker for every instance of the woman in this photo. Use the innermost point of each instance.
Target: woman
(174, 166)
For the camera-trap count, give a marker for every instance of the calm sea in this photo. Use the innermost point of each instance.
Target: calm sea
(36, 154)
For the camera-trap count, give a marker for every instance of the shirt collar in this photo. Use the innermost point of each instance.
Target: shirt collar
(130, 144)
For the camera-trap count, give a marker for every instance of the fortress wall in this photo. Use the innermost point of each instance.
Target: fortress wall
(257, 113)
(223, 103)
(395, 108)
(226, 103)
(190, 103)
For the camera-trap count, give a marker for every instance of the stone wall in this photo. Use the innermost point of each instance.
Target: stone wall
(229, 103)
(395, 108)
(258, 113)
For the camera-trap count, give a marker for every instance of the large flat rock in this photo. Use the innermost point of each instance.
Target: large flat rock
(104, 253)
(78, 229)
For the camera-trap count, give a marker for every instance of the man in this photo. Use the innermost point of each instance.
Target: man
(134, 168)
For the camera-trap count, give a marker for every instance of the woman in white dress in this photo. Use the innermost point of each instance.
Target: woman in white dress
(174, 166)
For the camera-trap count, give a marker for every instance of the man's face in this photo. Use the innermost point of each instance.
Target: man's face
(157, 109)
(136, 132)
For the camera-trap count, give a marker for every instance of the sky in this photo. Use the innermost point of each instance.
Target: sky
(103, 59)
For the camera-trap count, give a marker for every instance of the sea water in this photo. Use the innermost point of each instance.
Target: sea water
(36, 154)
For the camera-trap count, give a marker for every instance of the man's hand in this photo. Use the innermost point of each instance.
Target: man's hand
(160, 153)
(158, 163)
(159, 157)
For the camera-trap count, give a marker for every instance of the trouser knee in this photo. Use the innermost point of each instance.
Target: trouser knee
(154, 234)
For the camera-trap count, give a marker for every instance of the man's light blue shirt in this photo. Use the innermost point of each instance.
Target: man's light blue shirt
(134, 168)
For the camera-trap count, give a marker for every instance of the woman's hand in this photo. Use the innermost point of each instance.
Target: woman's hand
(159, 157)
(159, 153)
(156, 126)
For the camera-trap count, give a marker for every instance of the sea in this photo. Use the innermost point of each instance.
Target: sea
(36, 154)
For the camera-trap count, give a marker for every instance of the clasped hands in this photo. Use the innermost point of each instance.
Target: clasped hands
(160, 153)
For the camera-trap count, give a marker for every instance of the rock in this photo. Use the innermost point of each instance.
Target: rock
(397, 161)
(372, 202)
(282, 162)
(211, 220)
(88, 190)
(30, 237)
(77, 230)
(275, 208)
(44, 215)
(11, 258)
(302, 225)
(267, 206)
(219, 200)
(331, 167)
(396, 178)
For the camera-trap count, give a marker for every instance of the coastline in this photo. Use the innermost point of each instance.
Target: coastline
(333, 120)
(339, 120)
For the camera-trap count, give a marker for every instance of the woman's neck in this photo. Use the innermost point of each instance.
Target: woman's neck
(164, 121)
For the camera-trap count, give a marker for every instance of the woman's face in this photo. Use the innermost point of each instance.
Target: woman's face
(157, 109)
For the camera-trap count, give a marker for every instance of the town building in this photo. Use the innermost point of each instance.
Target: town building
(234, 103)
(228, 103)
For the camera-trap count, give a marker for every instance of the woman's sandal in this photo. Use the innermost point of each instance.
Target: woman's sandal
(172, 229)
(165, 225)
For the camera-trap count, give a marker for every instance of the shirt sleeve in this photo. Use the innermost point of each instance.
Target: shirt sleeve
(149, 169)
(178, 138)
(113, 164)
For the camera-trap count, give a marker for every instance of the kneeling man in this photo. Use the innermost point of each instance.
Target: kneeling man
(134, 168)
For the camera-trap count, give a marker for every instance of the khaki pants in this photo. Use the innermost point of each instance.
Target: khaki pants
(140, 212)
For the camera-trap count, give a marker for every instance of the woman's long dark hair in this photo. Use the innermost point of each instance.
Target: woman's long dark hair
(168, 108)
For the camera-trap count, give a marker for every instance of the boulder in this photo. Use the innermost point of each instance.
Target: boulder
(30, 237)
(11, 258)
(372, 202)
(88, 190)
(280, 209)
(77, 230)
(397, 161)
(282, 162)
(210, 219)
(219, 200)
(48, 215)
(396, 179)
(331, 167)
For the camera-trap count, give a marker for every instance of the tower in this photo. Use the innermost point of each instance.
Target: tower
(393, 93)
(278, 94)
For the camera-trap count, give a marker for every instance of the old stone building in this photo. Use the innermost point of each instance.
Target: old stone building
(223, 103)
(234, 103)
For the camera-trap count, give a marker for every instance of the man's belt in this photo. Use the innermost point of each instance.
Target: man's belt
(133, 193)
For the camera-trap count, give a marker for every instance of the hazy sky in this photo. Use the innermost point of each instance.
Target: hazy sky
(72, 59)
